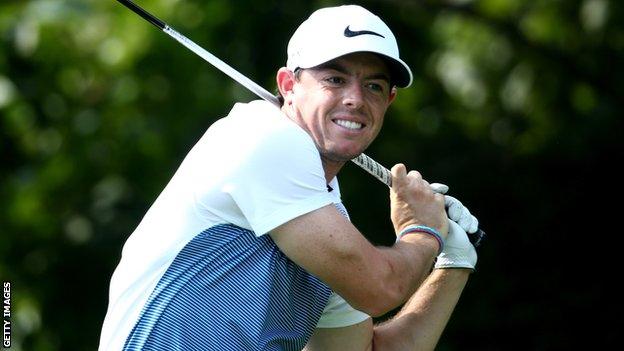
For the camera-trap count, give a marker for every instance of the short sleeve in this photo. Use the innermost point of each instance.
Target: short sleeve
(278, 175)
(338, 313)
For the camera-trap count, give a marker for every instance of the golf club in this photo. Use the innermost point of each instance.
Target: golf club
(368, 164)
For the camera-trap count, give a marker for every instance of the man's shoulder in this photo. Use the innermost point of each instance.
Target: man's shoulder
(252, 136)
(256, 113)
(259, 122)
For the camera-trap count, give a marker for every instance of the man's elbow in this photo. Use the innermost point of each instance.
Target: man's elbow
(381, 300)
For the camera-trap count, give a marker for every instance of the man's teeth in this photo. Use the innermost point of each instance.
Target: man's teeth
(348, 124)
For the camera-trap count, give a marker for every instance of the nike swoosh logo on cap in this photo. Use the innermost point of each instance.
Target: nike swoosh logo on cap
(349, 33)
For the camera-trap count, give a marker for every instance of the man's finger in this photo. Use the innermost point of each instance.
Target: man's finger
(399, 173)
(458, 213)
(439, 188)
(454, 207)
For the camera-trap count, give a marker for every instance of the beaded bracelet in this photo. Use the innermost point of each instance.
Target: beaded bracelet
(423, 229)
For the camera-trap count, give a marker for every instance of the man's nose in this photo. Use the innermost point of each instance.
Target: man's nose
(353, 95)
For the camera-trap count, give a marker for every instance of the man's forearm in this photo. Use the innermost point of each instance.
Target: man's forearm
(420, 323)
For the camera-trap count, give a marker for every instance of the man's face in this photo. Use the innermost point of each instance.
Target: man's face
(342, 103)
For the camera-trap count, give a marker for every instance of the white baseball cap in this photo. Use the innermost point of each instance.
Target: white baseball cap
(336, 31)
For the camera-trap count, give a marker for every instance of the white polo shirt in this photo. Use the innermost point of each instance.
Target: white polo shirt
(199, 270)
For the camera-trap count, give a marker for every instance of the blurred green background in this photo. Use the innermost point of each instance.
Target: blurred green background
(516, 105)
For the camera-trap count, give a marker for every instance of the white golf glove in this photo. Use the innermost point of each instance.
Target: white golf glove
(458, 251)
(456, 211)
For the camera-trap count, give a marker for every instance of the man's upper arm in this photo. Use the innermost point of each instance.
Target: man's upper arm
(328, 246)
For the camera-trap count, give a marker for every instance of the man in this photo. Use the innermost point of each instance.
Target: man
(249, 247)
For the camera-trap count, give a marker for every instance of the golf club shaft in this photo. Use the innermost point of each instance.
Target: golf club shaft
(368, 164)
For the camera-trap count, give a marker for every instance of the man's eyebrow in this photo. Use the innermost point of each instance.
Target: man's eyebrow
(333, 66)
(381, 76)
(336, 66)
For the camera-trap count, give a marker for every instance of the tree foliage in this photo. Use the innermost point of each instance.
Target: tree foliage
(515, 105)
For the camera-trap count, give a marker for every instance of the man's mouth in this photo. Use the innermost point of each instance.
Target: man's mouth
(348, 124)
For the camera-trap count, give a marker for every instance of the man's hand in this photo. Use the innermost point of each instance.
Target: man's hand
(457, 212)
(412, 201)
(458, 251)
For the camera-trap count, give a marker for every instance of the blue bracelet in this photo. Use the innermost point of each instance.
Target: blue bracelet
(423, 229)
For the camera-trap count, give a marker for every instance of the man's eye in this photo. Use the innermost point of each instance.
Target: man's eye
(334, 80)
(375, 87)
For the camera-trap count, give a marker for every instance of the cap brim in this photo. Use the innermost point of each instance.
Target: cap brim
(400, 72)
(401, 75)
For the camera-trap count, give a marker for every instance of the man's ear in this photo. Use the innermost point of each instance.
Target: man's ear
(393, 94)
(285, 83)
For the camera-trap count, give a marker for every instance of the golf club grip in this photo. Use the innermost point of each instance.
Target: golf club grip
(375, 168)
(368, 164)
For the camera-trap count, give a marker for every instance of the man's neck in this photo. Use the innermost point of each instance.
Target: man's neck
(331, 168)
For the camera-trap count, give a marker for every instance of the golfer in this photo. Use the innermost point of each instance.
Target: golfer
(249, 247)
